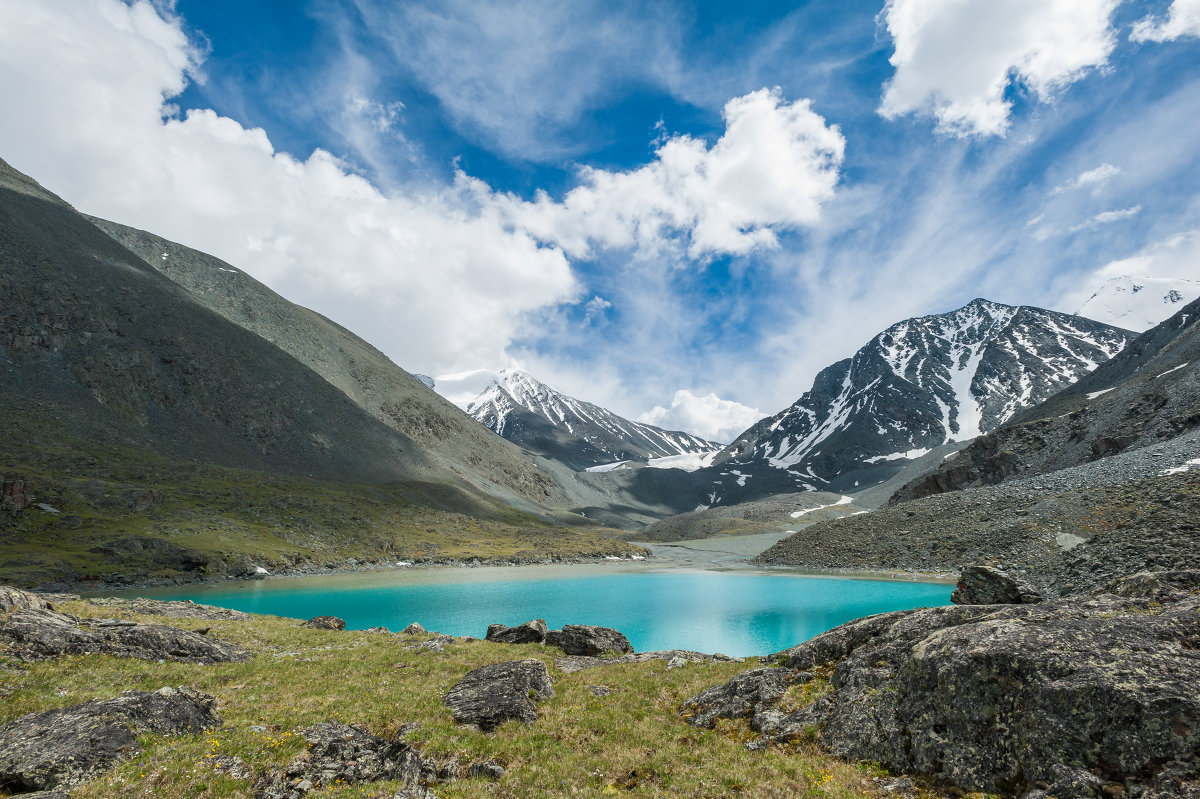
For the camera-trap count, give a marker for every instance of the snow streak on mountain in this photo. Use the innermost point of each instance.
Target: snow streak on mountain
(1139, 303)
(921, 383)
(578, 433)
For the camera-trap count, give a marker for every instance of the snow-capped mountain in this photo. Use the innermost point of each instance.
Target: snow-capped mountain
(580, 434)
(919, 384)
(1138, 303)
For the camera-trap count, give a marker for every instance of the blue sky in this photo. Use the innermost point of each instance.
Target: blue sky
(678, 210)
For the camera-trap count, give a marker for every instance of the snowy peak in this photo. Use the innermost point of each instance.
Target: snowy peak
(922, 383)
(1138, 303)
(528, 412)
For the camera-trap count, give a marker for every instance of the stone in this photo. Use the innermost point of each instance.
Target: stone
(600, 690)
(14, 495)
(378, 630)
(344, 754)
(325, 623)
(45, 633)
(572, 664)
(65, 747)
(588, 640)
(183, 609)
(490, 695)
(738, 698)
(16, 599)
(413, 629)
(676, 663)
(233, 767)
(531, 632)
(486, 768)
(984, 585)
(998, 698)
(436, 644)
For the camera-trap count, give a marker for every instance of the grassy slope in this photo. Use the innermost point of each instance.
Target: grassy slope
(631, 743)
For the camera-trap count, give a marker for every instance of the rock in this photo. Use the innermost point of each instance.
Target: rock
(1154, 585)
(139, 549)
(325, 623)
(346, 754)
(983, 585)
(676, 663)
(600, 690)
(998, 698)
(378, 630)
(185, 609)
(579, 663)
(486, 768)
(14, 495)
(493, 694)
(16, 599)
(46, 633)
(738, 698)
(436, 644)
(413, 629)
(589, 640)
(61, 748)
(531, 632)
(234, 767)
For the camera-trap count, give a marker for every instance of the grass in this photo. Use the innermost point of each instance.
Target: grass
(631, 743)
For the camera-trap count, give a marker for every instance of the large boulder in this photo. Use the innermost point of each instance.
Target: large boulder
(586, 639)
(16, 599)
(343, 754)
(490, 695)
(46, 633)
(1018, 697)
(984, 585)
(325, 623)
(531, 632)
(64, 747)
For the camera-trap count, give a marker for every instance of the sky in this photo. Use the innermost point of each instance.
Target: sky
(679, 210)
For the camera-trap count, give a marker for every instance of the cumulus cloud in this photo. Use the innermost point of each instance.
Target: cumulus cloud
(1183, 21)
(955, 59)
(707, 416)
(1107, 218)
(775, 166)
(1092, 179)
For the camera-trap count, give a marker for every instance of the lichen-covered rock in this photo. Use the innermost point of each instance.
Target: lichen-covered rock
(64, 747)
(984, 585)
(183, 609)
(589, 640)
(531, 632)
(490, 695)
(999, 698)
(345, 754)
(16, 599)
(46, 633)
(576, 663)
(739, 697)
(413, 629)
(325, 623)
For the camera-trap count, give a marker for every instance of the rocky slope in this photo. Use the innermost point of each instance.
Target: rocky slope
(577, 433)
(1147, 394)
(919, 384)
(364, 374)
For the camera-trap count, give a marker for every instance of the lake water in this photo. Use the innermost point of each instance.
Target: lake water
(738, 614)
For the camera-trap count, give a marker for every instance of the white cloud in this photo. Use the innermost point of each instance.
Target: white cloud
(775, 166)
(707, 416)
(1093, 179)
(1107, 218)
(1183, 20)
(955, 59)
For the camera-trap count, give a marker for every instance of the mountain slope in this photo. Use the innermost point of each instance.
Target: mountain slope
(364, 374)
(919, 384)
(1147, 394)
(1138, 303)
(577, 433)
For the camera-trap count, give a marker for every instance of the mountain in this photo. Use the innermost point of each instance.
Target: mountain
(1149, 393)
(577, 433)
(1138, 303)
(404, 402)
(920, 384)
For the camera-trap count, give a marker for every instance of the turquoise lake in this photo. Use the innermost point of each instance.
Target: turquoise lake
(735, 613)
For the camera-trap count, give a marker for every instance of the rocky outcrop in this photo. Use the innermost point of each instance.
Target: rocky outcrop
(39, 634)
(983, 585)
(580, 662)
(64, 747)
(184, 609)
(531, 632)
(325, 623)
(16, 599)
(343, 754)
(1079, 698)
(14, 496)
(588, 640)
(490, 695)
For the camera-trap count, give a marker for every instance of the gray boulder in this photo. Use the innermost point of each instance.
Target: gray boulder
(531, 632)
(1013, 698)
(344, 754)
(984, 585)
(46, 633)
(16, 599)
(413, 629)
(738, 698)
(64, 747)
(588, 640)
(325, 623)
(490, 695)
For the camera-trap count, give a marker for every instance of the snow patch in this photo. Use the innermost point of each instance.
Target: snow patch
(910, 455)
(843, 501)
(1176, 369)
(606, 467)
(688, 462)
(1186, 467)
(1092, 395)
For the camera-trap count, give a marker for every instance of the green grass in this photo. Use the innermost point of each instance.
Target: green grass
(631, 743)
